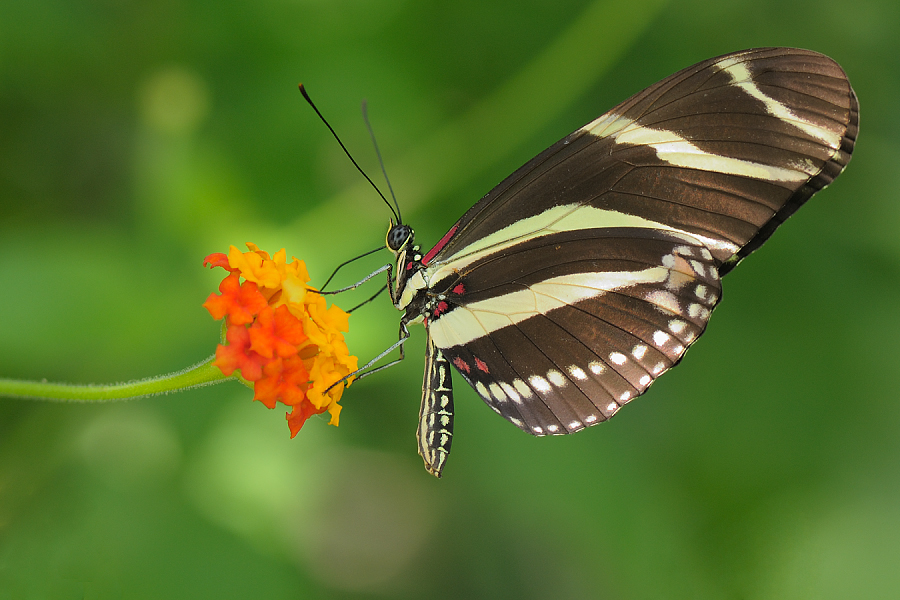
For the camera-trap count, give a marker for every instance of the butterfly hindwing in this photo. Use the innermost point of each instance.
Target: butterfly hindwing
(559, 341)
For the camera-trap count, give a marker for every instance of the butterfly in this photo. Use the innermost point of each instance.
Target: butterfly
(564, 293)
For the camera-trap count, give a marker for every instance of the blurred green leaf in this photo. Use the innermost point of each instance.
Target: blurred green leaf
(136, 138)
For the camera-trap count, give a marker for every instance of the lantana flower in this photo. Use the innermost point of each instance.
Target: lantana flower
(280, 334)
(279, 338)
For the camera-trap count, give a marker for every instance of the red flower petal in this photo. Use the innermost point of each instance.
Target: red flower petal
(238, 356)
(285, 380)
(218, 259)
(298, 416)
(268, 387)
(276, 333)
(239, 301)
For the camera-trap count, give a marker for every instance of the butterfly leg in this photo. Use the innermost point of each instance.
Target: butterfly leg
(435, 431)
(363, 370)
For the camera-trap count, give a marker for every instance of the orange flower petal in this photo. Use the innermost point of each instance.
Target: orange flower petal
(284, 380)
(267, 388)
(238, 356)
(239, 301)
(217, 259)
(298, 416)
(276, 332)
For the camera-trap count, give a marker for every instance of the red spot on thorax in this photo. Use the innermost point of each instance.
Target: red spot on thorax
(409, 266)
(481, 365)
(459, 289)
(461, 364)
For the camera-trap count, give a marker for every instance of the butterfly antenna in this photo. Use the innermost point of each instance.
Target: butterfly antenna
(347, 152)
(344, 264)
(365, 112)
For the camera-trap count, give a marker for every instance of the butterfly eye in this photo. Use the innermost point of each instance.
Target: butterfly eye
(398, 235)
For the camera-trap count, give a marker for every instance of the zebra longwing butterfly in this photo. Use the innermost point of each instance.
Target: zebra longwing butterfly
(569, 288)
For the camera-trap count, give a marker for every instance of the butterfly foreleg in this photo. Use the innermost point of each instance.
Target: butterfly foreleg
(364, 371)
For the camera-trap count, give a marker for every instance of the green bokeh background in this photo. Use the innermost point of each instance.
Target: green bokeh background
(137, 137)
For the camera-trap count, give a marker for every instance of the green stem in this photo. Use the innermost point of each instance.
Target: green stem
(201, 374)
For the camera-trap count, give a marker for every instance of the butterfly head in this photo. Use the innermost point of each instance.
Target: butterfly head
(400, 241)
(399, 237)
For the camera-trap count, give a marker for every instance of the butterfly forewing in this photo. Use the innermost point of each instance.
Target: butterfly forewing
(724, 150)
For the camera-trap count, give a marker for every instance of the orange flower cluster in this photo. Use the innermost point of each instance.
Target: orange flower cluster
(281, 336)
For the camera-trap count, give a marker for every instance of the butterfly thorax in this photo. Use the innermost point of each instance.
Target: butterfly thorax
(410, 291)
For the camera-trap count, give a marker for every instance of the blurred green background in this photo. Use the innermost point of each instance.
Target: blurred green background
(137, 137)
